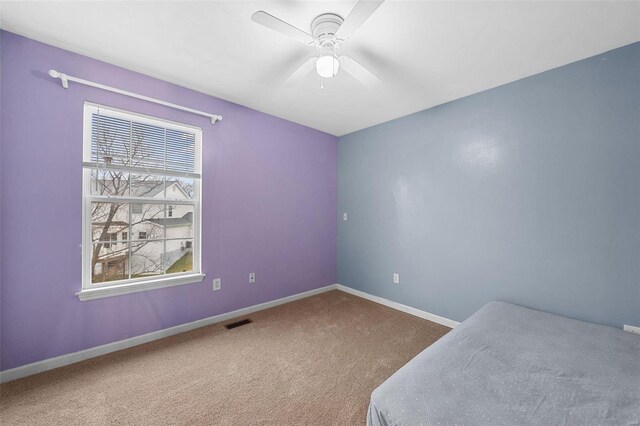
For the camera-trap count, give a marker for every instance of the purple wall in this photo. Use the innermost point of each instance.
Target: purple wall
(269, 206)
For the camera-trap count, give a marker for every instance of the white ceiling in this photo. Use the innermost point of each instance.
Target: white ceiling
(425, 52)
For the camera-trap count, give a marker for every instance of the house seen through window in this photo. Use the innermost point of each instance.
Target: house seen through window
(142, 180)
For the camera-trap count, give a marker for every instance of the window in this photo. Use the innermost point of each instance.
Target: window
(112, 237)
(141, 178)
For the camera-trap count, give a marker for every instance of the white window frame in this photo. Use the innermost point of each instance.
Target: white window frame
(115, 288)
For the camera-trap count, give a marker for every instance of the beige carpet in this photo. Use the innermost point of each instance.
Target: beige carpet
(313, 362)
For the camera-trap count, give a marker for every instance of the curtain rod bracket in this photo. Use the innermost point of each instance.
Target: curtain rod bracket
(65, 79)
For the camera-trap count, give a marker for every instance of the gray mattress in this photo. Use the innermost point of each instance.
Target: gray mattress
(508, 365)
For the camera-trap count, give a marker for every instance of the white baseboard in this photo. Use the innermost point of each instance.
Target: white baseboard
(400, 307)
(62, 360)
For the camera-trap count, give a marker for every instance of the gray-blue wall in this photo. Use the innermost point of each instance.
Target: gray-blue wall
(527, 193)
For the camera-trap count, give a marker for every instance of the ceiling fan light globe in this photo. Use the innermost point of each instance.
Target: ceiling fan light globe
(327, 66)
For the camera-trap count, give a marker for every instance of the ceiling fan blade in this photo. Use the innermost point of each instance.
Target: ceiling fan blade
(360, 13)
(263, 18)
(300, 72)
(357, 71)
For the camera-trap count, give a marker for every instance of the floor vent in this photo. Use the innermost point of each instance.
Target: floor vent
(238, 323)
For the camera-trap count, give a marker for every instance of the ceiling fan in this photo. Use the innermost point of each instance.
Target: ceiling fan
(329, 32)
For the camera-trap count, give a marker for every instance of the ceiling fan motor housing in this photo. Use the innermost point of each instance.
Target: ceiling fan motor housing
(325, 26)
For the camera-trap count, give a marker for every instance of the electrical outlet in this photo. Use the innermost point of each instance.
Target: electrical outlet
(631, 329)
(345, 216)
(396, 278)
(252, 277)
(217, 284)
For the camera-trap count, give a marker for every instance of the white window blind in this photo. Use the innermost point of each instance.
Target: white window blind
(141, 145)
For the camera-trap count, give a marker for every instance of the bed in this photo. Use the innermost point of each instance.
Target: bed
(509, 365)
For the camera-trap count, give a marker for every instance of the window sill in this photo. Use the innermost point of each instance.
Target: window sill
(118, 290)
